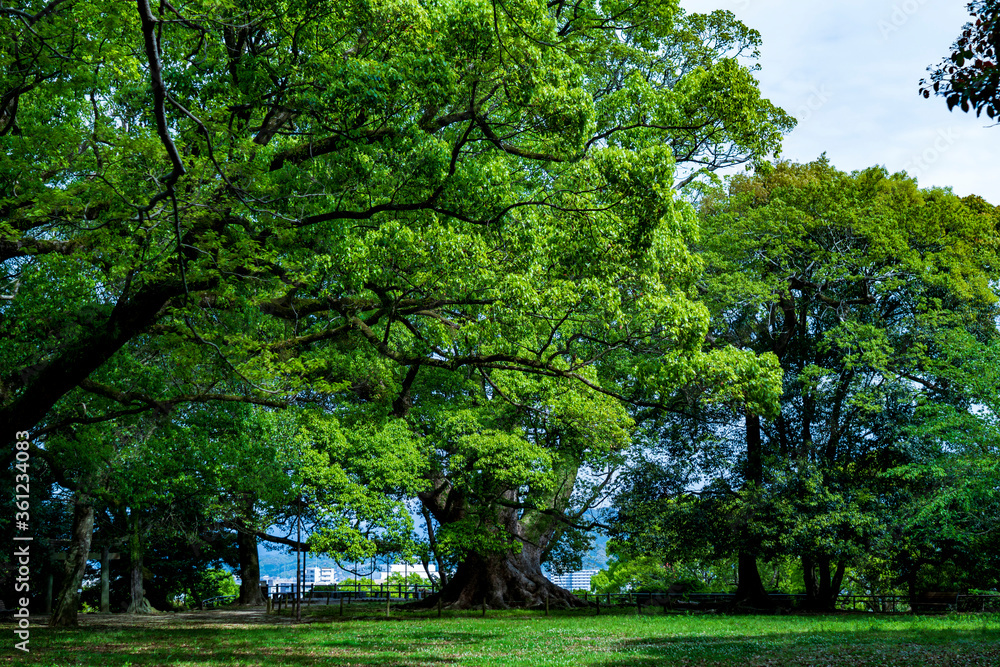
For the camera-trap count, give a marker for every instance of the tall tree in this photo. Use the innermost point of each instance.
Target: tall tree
(325, 202)
(842, 277)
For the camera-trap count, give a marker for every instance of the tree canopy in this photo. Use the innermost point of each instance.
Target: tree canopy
(862, 286)
(364, 209)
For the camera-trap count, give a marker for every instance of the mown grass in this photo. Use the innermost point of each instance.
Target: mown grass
(516, 639)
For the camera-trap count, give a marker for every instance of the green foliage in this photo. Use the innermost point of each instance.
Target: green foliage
(437, 245)
(969, 77)
(411, 579)
(872, 295)
(209, 584)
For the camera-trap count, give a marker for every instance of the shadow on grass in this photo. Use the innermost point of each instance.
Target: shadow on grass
(666, 642)
(909, 648)
(292, 646)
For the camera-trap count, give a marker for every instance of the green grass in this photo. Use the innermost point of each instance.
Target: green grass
(515, 639)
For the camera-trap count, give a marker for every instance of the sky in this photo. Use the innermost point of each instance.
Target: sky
(849, 71)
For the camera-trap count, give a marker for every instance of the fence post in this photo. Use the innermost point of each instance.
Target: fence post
(439, 604)
(546, 603)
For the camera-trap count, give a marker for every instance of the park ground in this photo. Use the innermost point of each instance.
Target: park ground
(513, 639)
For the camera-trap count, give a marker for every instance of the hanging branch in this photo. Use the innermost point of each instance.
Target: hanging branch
(159, 101)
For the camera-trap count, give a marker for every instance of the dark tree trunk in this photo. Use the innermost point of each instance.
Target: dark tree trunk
(502, 581)
(809, 580)
(822, 584)
(82, 356)
(837, 582)
(64, 614)
(750, 588)
(139, 604)
(508, 579)
(432, 543)
(246, 544)
(106, 579)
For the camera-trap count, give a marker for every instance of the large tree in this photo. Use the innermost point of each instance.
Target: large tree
(850, 280)
(327, 202)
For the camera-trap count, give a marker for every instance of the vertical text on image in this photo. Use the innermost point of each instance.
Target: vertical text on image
(22, 540)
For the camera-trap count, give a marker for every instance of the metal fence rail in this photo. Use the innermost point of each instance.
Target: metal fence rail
(886, 604)
(211, 603)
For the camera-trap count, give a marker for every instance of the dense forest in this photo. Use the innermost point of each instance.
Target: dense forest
(462, 282)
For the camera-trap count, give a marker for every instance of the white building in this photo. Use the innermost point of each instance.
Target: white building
(405, 570)
(314, 576)
(321, 576)
(574, 581)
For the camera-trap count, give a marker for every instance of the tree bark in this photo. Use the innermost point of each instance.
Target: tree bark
(809, 579)
(64, 614)
(506, 579)
(45, 385)
(432, 543)
(246, 545)
(502, 581)
(139, 604)
(106, 579)
(750, 588)
(822, 584)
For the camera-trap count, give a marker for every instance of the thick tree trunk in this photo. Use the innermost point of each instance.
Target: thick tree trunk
(432, 542)
(750, 588)
(512, 579)
(502, 581)
(64, 614)
(809, 579)
(106, 579)
(139, 604)
(822, 584)
(246, 544)
(82, 356)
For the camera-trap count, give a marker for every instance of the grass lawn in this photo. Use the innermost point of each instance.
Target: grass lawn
(515, 639)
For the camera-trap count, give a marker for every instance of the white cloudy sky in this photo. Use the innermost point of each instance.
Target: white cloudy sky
(849, 71)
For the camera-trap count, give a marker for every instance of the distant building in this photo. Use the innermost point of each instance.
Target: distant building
(404, 569)
(314, 576)
(573, 581)
(327, 576)
(321, 576)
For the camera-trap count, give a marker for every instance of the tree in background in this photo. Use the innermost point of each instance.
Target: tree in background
(949, 522)
(970, 77)
(846, 279)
